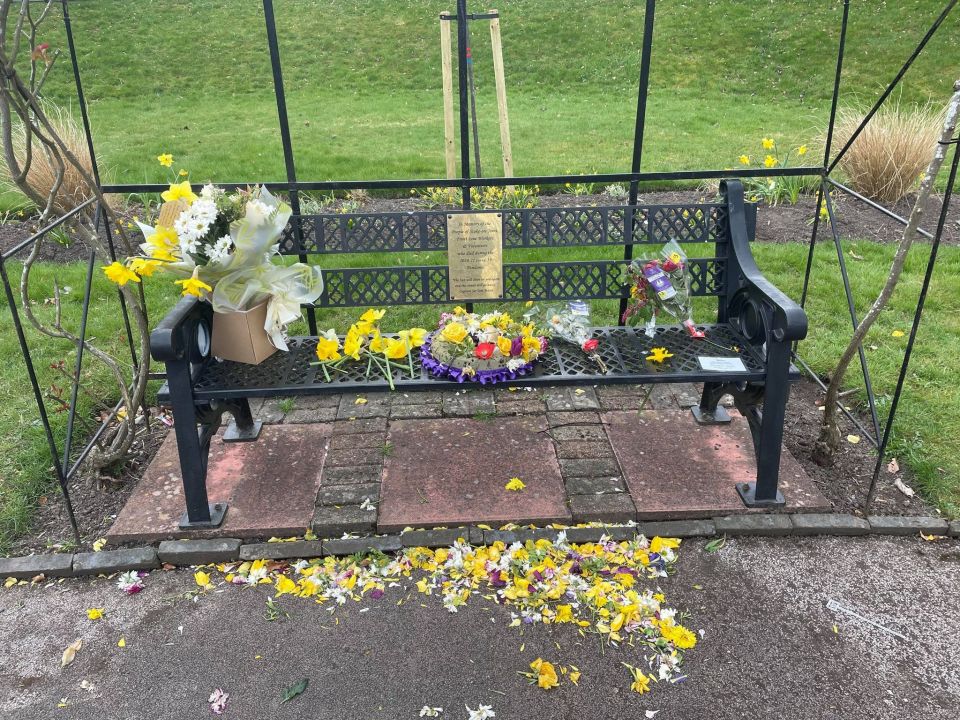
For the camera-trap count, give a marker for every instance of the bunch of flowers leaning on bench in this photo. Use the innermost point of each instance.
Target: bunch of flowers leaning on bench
(222, 246)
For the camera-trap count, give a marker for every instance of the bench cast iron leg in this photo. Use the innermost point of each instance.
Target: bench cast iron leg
(710, 412)
(768, 437)
(193, 446)
(243, 428)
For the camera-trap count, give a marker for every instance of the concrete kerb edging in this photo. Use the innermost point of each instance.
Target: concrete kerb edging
(183, 553)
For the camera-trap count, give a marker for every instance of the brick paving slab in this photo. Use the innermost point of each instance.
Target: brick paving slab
(270, 411)
(571, 398)
(434, 538)
(687, 395)
(348, 494)
(310, 415)
(676, 469)
(522, 405)
(360, 425)
(594, 485)
(281, 550)
(271, 485)
(829, 524)
(358, 440)
(617, 533)
(416, 398)
(199, 552)
(351, 475)
(26, 568)
(594, 467)
(612, 508)
(329, 521)
(584, 450)
(356, 456)
(574, 433)
(573, 418)
(468, 404)
(402, 412)
(453, 471)
(377, 405)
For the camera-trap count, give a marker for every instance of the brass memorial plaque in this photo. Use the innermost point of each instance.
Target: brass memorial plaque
(475, 256)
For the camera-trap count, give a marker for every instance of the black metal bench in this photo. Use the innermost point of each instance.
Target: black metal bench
(752, 315)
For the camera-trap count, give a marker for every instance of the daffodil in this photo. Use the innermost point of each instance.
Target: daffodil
(179, 191)
(546, 674)
(165, 159)
(802, 150)
(515, 485)
(564, 614)
(418, 336)
(202, 579)
(372, 316)
(120, 274)
(193, 285)
(352, 344)
(163, 242)
(328, 346)
(285, 586)
(768, 143)
(504, 344)
(744, 159)
(144, 267)
(659, 354)
(95, 613)
(769, 161)
(454, 332)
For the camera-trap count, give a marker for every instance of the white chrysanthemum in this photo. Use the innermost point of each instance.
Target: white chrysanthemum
(257, 212)
(204, 210)
(514, 364)
(220, 250)
(210, 192)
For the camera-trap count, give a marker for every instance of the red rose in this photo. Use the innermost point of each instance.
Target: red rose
(484, 351)
(669, 265)
(590, 345)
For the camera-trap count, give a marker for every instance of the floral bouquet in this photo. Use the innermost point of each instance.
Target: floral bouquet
(486, 348)
(571, 322)
(364, 341)
(222, 246)
(661, 284)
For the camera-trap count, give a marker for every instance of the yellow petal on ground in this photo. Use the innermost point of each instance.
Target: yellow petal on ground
(201, 578)
(897, 333)
(98, 545)
(95, 613)
(10, 582)
(360, 401)
(121, 643)
(853, 439)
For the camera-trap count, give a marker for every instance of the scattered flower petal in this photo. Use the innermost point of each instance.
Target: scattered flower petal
(515, 485)
(95, 613)
(853, 439)
(71, 652)
(218, 701)
(904, 488)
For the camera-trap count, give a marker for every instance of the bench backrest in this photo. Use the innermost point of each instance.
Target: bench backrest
(562, 229)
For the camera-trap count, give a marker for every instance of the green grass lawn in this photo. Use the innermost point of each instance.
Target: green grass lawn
(192, 77)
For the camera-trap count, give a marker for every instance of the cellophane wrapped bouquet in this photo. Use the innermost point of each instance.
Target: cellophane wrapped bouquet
(660, 285)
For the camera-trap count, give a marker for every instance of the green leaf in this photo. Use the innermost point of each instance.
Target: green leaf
(715, 545)
(294, 690)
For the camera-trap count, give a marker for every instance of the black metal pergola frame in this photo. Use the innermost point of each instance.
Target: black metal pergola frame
(65, 464)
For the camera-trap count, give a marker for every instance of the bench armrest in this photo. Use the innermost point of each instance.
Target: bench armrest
(788, 321)
(176, 336)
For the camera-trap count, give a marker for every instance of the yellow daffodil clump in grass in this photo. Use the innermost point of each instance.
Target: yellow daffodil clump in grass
(605, 589)
(364, 340)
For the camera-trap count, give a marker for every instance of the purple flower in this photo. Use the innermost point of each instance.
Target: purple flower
(516, 347)
(376, 594)
(496, 579)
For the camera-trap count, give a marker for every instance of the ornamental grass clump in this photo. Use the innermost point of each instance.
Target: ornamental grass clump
(888, 158)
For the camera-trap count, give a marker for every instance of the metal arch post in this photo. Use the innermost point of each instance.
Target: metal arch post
(270, 21)
(38, 396)
(921, 300)
(644, 86)
(893, 83)
(821, 190)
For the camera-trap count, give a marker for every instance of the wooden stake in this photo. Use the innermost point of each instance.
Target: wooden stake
(449, 141)
(501, 98)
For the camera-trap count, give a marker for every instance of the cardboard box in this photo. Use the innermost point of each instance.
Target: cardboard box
(239, 336)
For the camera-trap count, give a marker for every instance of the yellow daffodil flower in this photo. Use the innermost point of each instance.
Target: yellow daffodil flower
(120, 274)
(515, 485)
(546, 674)
(193, 285)
(768, 143)
(376, 341)
(372, 316)
(95, 613)
(352, 343)
(802, 150)
(179, 191)
(166, 159)
(201, 578)
(530, 343)
(454, 332)
(744, 159)
(659, 544)
(504, 344)
(769, 161)
(328, 346)
(396, 348)
(418, 336)
(163, 243)
(564, 614)
(144, 267)
(285, 586)
(659, 354)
